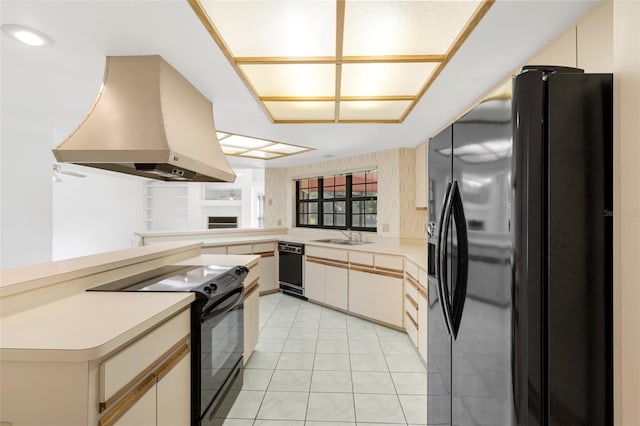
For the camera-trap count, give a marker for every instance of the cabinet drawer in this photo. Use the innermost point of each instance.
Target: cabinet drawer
(412, 329)
(411, 308)
(264, 247)
(117, 371)
(239, 249)
(385, 261)
(411, 269)
(215, 250)
(327, 253)
(410, 290)
(361, 258)
(422, 278)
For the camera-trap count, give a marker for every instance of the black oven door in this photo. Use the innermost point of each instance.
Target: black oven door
(220, 351)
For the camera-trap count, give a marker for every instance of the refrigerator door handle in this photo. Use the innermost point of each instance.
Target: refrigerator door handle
(462, 266)
(441, 263)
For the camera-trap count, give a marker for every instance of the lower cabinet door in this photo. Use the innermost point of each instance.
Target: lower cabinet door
(361, 293)
(142, 413)
(268, 274)
(314, 281)
(387, 299)
(251, 323)
(335, 286)
(173, 394)
(422, 326)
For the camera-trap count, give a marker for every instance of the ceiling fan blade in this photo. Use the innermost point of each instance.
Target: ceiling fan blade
(72, 173)
(57, 168)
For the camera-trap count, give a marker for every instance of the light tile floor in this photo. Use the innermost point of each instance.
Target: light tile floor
(314, 366)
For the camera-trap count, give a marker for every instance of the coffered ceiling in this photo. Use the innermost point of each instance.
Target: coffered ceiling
(343, 61)
(53, 87)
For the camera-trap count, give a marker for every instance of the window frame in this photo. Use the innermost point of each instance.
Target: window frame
(348, 199)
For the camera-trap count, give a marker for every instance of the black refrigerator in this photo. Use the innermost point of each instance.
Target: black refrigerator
(520, 315)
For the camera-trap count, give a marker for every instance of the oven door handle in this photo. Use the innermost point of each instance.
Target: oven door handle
(225, 305)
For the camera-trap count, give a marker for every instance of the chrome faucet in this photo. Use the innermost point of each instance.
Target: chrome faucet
(348, 234)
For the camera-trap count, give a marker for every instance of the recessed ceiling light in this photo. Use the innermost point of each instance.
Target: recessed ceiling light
(26, 35)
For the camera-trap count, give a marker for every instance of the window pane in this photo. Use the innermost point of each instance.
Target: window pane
(328, 181)
(372, 176)
(358, 190)
(341, 220)
(340, 207)
(313, 183)
(341, 191)
(313, 219)
(313, 207)
(371, 206)
(313, 195)
(303, 194)
(328, 207)
(356, 220)
(341, 180)
(358, 178)
(304, 183)
(328, 193)
(328, 220)
(370, 220)
(356, 207)
(372, 190)
(302, 208)
(302, 219)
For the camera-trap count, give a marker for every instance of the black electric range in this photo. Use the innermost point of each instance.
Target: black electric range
(217, 326)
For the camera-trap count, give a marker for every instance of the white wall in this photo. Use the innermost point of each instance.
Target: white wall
(25, 193)
(95, 214)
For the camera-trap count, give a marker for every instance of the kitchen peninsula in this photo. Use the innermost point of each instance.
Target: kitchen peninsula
(70, 357)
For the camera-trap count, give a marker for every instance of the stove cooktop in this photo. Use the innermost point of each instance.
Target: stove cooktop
(208, 280)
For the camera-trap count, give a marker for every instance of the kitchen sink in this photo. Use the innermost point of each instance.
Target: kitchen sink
(342, 242)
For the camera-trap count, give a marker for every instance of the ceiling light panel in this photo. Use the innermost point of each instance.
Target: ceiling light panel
(230, 150)
(283, 148)
(302, 110)
(292, 80)
(372, 110)
(245, 142)
(261, 154)
(275, 28)
(380, 28)
(385, 53)
(384, 79)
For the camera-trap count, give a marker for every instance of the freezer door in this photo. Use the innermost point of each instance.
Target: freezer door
(580, 206)
(482, 391)
(438, 338)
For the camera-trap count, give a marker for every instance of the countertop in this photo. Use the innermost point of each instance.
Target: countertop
(86, 326)
(89, 325)
(416, 253)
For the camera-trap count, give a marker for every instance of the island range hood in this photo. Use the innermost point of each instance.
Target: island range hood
(149, 121)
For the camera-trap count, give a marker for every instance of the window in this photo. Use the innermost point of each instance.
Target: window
(344, 201)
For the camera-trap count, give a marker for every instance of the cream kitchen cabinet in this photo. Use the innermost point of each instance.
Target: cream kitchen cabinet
(326, 276)
(376, 295)
(268, 269)
(326, 282)
(148, 382)
(251, 318)
(423, 308)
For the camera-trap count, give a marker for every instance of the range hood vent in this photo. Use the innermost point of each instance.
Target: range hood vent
(149, 121)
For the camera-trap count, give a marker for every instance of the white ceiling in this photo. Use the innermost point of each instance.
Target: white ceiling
(53, 87)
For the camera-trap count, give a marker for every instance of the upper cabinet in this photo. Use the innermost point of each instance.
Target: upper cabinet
(421, 176)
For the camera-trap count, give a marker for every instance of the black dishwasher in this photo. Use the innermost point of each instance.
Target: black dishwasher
(291, 268)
